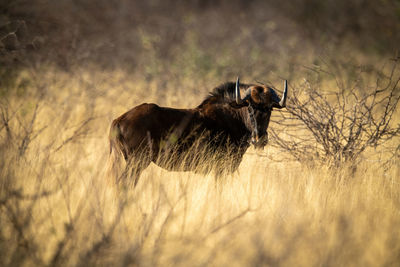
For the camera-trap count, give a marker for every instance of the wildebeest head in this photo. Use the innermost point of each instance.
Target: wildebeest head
(259, 100)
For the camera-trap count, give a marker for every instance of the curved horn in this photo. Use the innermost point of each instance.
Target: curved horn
(237, 92)
(282, 103)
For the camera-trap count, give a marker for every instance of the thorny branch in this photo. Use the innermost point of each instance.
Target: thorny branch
(337, 127)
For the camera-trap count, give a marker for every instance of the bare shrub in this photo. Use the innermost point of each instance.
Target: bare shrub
(338, 126)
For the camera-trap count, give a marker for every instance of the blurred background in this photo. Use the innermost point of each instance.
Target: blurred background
(324, 192)
(198, 38)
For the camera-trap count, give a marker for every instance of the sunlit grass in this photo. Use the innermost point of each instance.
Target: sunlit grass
(58, 207)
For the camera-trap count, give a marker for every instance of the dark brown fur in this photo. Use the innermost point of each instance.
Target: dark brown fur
(217, 133)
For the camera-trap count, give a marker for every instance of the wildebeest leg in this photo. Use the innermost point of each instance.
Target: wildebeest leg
(220, 172)
(224, 169)
(137, 171)
(139, 159)
(236, 158)
(134, 168)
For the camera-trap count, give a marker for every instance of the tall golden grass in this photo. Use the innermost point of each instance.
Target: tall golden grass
(58, 207)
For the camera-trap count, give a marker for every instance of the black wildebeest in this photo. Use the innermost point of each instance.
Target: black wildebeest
(214, 135)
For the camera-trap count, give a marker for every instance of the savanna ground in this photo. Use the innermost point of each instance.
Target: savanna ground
(75, 66)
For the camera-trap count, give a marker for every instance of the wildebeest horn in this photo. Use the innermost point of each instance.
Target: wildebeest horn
(282, 102)
(237, 92)
(239, 99)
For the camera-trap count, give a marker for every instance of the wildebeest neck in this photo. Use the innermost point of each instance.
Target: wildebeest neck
(222, 117)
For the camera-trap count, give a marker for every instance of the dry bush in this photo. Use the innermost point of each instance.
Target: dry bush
(338, 125)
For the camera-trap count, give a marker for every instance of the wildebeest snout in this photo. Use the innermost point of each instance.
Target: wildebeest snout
(260, 141)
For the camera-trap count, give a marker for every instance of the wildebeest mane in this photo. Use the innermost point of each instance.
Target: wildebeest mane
(224, 93)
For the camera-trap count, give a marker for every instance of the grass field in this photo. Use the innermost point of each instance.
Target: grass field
(58, 207)
(93, 60)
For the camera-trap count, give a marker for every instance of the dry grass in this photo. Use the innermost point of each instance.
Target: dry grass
(57, 206)
(79, 64)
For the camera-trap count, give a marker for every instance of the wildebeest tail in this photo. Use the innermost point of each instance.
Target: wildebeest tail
(116, 162)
